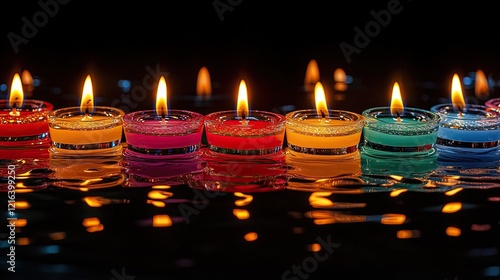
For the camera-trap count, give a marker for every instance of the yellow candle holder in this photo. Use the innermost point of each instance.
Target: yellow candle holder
(336, 135)
(77, 134)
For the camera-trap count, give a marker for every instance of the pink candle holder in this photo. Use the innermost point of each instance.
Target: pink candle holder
(28, 128)
(260, 134)
(177, 135)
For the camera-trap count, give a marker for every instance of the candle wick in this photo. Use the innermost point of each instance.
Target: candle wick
(14, 111)
(399, 117)
(244, 118)
(163, 118)
(323, 116)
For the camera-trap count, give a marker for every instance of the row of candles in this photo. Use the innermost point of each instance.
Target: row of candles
(456, 127)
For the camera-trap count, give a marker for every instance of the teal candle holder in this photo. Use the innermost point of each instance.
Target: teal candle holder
(412, 134)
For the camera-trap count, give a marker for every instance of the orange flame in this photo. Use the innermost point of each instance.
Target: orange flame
(312, 73)
(481, 88)
(457, 97)
(161, 98)
(242, 105)
(16, 96)
(87, 102)
(203, 85)
(319, 96)
(397, 107)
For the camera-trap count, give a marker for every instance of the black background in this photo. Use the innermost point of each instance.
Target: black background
(267, 43)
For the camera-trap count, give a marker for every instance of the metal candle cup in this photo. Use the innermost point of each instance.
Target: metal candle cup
(338, 134)
(260, 133)
(475, 130)
(73, 134)
(149, 136)
(414, 134)
(29, 128)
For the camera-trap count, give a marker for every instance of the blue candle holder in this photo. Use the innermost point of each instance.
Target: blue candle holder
(469, 134)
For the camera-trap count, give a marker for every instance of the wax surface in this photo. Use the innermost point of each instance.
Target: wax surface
(254, 135)
(319, 135)
(163, 142)
(398, 140)
(469, 135)
(69, 136)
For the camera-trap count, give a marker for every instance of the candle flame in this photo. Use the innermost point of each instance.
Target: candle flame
(340, 78)
(397, 107)
(312, 73)
(242, 105)
(161, 98)
(27, 81)
(319, 96)
(87, 102)
(203, 85)
(16, 96)
(481, 88)
(457, 97)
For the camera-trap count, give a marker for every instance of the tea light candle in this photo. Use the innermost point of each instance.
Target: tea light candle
(323, 131)
(87, 130)
(243, 131)
(23, 123)
(399, 131)
(471, 128)
(162, 132)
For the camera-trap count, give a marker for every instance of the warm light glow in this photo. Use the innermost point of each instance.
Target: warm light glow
(406, 233)
(95, 228)
(457, 97)
(60, 235)
(90, 222)
(242, 105)
(27, 81)
(22, 204)
(340, 78)
(203, 85)
(395, 193)
(246, 199)
(318, 200)
(452, 207)
(241, 214)
(21, 222)
(397, 107)
(339, 75)
(251, 236)
(320, 99)
(393, 219)
(155, 194)
(162, 221)
(315, 247)
(156, 203)
(16, 96)
(312, 73)
(23, 241)
(87, 103)
(161, 98)
(453, 191)
(453, 231)
(481, 87)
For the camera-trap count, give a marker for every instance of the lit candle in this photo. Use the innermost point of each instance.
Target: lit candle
(323, 131)
(243, 131)
(87, 130)
(467, 129)
(205, 99)
(23, 123)
(162, 132)
(399, 131)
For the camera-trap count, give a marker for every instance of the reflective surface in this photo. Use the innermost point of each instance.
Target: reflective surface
(225, 218)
